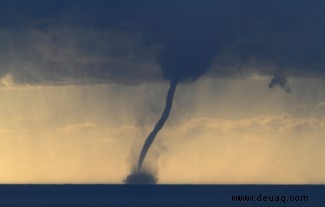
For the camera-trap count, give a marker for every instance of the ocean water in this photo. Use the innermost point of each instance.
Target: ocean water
(163, 195)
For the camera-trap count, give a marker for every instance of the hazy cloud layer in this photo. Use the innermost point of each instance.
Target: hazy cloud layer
(264, 149)
(78, 42)
(267, 125)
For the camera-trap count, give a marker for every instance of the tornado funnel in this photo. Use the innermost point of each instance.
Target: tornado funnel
(159, 125)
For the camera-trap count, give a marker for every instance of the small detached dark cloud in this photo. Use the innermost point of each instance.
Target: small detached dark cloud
(280, 79)
(96, 41)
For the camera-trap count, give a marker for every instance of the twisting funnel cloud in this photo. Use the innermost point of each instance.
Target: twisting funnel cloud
(140, 176)
(185, 55)
(159, 124)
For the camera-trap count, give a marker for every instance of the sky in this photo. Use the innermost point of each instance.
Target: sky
(82, 83)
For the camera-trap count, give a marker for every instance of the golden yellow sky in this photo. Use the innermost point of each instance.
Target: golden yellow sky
(219, 131)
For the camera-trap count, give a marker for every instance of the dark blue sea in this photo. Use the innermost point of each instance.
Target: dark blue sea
(163, 195)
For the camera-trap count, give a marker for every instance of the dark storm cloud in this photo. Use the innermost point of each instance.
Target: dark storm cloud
(71, 42)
